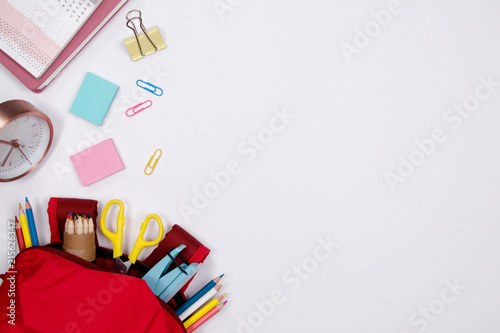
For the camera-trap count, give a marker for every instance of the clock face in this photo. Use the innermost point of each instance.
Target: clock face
(23, 143)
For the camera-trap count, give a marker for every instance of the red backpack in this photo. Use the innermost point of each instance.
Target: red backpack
(49, 290)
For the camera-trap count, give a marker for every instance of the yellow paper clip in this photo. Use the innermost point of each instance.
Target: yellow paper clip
(152, 167)
(145, 43)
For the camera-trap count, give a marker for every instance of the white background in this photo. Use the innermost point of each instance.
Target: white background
(322, 177)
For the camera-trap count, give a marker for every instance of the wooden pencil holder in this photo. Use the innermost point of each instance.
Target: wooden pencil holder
(82, 246)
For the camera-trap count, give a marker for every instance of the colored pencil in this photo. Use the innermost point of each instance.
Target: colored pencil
(31, 223)
(24, 227)
(66, 223)
(206, 317)
(91, 224)
(198, 295)
(19, 234)
(196, 305)
(85, 225)
(78, 225)
(71, 225)
(203, 311)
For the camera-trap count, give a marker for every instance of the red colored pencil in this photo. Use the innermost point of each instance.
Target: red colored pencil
(206, 317)
(19, 234)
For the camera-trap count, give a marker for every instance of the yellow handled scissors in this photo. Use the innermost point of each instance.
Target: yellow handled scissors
(117, 237)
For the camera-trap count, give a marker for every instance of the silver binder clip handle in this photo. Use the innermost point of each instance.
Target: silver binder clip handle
(130, 24)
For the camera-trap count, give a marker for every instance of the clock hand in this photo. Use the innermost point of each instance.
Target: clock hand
(12, 143)
(6, 157)
(7, 142)
(24, 155)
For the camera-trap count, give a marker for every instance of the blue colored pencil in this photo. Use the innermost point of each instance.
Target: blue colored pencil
(198, 295)
(31, 224)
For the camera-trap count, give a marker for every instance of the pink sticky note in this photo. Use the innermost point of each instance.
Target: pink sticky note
(97, 162)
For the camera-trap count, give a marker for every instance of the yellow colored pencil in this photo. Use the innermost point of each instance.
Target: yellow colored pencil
(24, 227)
(203, 311)
(205, 318)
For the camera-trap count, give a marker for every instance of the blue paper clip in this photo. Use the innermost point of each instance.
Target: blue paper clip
(155, 89)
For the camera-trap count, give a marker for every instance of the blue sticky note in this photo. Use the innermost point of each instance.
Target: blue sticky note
(94, 98)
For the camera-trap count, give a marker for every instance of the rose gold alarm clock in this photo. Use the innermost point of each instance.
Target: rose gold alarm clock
(25, 138)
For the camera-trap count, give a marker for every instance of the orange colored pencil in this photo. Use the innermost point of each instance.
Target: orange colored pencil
(206, 317)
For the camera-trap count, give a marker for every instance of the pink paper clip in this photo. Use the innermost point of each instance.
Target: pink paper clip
(138, 108)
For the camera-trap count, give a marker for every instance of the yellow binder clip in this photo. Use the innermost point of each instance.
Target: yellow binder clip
(144, 43)
(148, 170)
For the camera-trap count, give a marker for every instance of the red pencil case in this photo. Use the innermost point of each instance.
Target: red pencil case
(58, 210)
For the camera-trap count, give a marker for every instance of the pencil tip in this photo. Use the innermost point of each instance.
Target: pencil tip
(217, 279)
(225, 303)
(26, 199)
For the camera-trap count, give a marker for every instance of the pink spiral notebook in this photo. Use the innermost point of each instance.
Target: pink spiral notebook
(101, 14)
